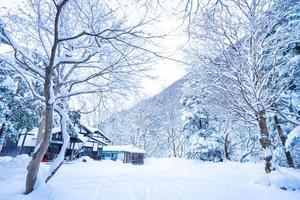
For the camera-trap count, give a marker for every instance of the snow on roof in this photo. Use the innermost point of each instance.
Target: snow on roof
(95, 130)
(30, 140)
(127, 148)
(90, 128)
(34, 131)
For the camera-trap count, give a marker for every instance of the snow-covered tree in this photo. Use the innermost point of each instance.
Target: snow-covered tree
(19, 110)
(7, 93)
(139, 126)
(75, 48)
(200, 128)
(238, 61)
(286, 110)
(158, 118)
(173, 134)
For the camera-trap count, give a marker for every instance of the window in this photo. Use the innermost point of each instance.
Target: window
(88, 151)
(55, 146)
(135, 156)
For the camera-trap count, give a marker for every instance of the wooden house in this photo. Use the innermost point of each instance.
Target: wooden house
(87, 142)
(125, 153)
(94, 141)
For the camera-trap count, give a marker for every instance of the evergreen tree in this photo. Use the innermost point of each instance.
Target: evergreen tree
(200, 126)
(19, 110)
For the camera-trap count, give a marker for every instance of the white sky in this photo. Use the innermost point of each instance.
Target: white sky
(165, 71)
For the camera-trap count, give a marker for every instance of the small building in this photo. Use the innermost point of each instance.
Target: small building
(125, 153)
(27, 143)
(87, 142)
(94, 141)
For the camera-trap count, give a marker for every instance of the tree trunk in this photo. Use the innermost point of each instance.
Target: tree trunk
(40, 130)
(283, 139)
(248, 153)
(226, 146)
(173, 143)
(23, 142)
(2, 131)
(66, 139)
(145, 141)
(40, 150)
(73, 151)
(42, 147)
(265, 141)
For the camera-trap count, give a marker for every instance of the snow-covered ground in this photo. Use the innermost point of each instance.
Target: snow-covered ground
(158, 179)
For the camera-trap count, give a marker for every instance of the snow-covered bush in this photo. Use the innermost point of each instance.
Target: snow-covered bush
(293, 144)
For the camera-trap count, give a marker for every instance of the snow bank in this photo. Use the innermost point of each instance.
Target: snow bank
(7, 163)
(12, 167)
(5, 159)
(12, 176)
(282, 178)
(84, 159)
(13, 173)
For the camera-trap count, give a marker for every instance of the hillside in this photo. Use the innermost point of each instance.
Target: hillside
(148, 121)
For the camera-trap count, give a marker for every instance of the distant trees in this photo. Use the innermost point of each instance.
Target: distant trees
(154, 125)
(141, 126)
(74, 48)
(173, 135)
(240, 63)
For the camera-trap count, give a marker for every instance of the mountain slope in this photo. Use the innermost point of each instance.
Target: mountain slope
(150, 123)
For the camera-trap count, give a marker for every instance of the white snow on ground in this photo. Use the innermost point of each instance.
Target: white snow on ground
(158, 179)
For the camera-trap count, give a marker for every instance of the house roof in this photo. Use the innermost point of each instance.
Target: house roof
(32, 136)
(85, 135)
(94, 131)
(126, 148)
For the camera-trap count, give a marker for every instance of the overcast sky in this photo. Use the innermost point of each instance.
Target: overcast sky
(165, 71)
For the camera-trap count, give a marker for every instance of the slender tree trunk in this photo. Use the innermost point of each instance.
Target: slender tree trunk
(173, 143)
(66, 139)
(2, 131)
(40, 130)
(248, 153)
(23, 142)
(145, 141)
(42, 147)
(39, 153)
(71, 147)
(265, 141)
(283, 140)
(226, 146)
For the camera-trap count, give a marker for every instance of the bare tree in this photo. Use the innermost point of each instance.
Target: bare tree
(172, 125)
(74, 48)
(239, 65)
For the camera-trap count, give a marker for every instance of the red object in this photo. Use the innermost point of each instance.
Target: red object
(45, 160)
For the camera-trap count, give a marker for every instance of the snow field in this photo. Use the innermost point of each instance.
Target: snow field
(158, 179)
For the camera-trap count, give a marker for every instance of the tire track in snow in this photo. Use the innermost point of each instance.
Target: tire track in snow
(183, 194)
